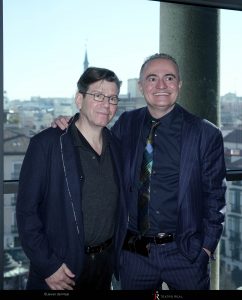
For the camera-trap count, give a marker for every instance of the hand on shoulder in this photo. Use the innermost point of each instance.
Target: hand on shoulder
(61, 122)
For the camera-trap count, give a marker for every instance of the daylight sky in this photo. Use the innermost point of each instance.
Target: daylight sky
(45, 43)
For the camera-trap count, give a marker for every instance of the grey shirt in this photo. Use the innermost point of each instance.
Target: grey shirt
(99, 190)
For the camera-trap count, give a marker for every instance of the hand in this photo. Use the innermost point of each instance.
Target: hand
(61, 122)
(61, 279)
(207, 251)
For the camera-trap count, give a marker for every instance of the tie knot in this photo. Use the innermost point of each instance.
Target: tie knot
(154, 124)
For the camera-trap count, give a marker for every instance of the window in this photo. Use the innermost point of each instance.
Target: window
(47, 45)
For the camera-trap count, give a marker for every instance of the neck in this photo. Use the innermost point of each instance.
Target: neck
(159, 112)
(92, 135)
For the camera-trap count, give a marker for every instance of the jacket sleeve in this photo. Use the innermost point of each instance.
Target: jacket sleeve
(214, 187)
(30, 210)
(117, 128)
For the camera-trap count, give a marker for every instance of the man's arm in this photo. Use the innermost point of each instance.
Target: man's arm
(30, 225)
(214, 188)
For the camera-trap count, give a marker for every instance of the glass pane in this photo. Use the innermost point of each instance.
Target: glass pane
(231, 87)
(47, 45)
(16, 263)
(231, 121)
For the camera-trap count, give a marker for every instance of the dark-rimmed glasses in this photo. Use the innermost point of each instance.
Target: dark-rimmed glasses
(100, 97)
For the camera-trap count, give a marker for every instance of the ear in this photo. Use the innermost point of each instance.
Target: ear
(78, 100)
(140, 87)
(180, 84)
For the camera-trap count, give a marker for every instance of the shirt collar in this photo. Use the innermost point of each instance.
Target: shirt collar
(80, 140)
(166, 120)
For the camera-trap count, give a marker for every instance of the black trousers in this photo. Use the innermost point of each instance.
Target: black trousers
(97, 272)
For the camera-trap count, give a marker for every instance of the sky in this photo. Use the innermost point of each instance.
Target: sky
(45, 43)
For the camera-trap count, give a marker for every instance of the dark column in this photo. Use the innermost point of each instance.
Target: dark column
(191, 35)
(1, 147)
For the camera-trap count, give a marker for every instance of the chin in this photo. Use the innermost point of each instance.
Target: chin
(102, 124)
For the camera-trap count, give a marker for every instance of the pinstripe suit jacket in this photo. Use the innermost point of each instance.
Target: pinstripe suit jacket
(202, 186)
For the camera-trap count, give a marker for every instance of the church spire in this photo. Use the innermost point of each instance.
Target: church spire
(86, 63)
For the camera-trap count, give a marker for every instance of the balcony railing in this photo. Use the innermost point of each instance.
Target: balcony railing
(11, 187)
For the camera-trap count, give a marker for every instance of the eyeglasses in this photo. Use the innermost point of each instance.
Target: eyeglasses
(100, 97)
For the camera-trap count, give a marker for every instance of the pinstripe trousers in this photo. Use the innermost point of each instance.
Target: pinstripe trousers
(164, 264)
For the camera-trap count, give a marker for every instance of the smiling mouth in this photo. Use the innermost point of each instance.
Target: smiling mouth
(162, 94)
(103, 113)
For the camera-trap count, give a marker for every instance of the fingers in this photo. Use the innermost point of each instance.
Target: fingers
(61, 279)
(69, 274)
(61, 122)
(68, 271)
(53, 124)
(68, 286)
(64, 284)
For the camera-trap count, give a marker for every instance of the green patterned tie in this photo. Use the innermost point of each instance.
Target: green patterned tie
(145, 173)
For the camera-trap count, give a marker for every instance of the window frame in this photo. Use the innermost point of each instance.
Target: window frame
(10, 186)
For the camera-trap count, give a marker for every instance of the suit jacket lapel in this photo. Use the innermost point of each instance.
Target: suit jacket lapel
(136, 141)
(189, 145)
(72, 175)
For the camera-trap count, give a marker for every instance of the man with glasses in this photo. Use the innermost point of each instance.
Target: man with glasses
(174, 183)
(70, 204)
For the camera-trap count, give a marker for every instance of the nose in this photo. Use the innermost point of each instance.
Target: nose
(161, 83)
(106, 101)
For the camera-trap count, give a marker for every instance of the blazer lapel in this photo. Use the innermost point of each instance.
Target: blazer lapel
(136, 141)
(189, 145)
(73, 176)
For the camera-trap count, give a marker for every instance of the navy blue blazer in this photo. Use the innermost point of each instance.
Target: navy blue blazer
(202, 186)
(49, 211)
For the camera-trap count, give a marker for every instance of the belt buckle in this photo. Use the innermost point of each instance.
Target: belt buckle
(160, 236)
(135, 244)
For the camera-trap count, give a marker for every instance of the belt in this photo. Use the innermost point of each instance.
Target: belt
(161, 238)
(99, 248)
(141, 244)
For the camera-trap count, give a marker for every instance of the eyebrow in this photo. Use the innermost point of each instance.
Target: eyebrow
(96, 91)
(151, 75)
(155, 75)
(171, 74)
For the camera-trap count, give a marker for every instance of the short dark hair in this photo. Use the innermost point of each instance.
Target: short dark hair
(159, 56)
(94, 74)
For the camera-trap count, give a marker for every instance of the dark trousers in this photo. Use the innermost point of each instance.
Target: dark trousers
(97, 272)
(164, 264)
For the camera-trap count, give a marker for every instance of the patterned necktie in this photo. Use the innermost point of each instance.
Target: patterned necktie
(145, 173)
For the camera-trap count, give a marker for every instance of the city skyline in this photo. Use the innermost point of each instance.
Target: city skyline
(45, 43)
